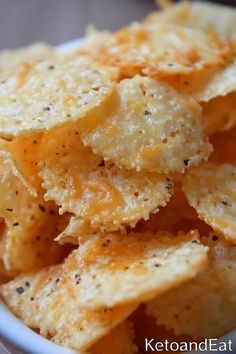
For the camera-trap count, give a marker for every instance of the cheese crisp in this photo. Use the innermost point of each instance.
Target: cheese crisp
(162, 49)
(206, 306)
(42, 304)
(30, 223)
(37, 97)
(211, 191)
(10, 59)
(196, 15)
(97, 191)
(148, 263)
(150, 127)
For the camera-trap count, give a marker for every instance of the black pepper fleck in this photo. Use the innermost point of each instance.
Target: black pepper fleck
(225, 203)
(186, 162)
(42, 208)
(20, 290)
(101, 164)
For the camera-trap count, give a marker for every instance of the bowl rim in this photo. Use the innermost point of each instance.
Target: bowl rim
(24, 338)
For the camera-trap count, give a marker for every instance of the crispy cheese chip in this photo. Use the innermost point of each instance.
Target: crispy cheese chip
(24, 152)
(113, 269)
(97, 192)
(30, 223)
(204, 307)
(222, 21)
(221, 83)
(210, 189)
(207, 16)
(219, 114)
(213, 83)
(10, 59)
(119, 341)
(149, 126)
(159, 50)
(37, 97)
(39, 301)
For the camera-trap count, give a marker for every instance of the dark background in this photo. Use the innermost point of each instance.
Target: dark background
(57, 21)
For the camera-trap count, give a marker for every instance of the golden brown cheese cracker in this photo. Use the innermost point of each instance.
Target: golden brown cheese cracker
(24, 152)
(93, 39)
(221, 83)
(119, 341)
(37, 299)
(10, 59)
(210, 189)
(147, 126)
(212, 83)
(30, 223)
(114, 269)
(76, 226)
(37, 97)
(219, 114)
(221, 22)
(207, 16)
(204, 307)
(164, 49)
(98, 192)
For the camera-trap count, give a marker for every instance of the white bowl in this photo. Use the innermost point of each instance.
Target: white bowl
(15, 337)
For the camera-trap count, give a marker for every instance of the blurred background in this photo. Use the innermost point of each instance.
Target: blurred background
(56, 21)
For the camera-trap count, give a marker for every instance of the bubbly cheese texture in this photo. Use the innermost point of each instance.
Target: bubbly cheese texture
(204, 307)
(220, 23)
(98, 192)
(39, 96)
(222, 19)
(148, 126)
(101, 283)
(220, 83)
(162, 50)
(115, 269)
(219, 113)
(39, 301)
(24, 154)
(10, 59)
(30, 224)
(210, 189)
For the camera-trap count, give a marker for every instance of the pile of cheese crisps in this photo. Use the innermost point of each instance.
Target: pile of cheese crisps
(118, 183)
